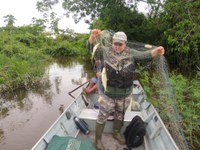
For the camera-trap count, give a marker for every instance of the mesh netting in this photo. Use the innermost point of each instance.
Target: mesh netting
(167, 102)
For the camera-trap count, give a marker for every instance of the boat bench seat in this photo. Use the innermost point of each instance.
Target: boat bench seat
(91, 114)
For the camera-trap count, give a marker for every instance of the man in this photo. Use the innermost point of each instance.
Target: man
(92, 87)
(116, 81)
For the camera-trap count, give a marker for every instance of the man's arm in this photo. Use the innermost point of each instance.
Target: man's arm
(147, 55)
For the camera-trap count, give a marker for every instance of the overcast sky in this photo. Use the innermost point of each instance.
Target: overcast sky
(25, 10)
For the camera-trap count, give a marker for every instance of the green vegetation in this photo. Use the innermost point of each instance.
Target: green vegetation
(184, 99)
(21, 57)
(187, 95)
(25, 51)
(68, 45)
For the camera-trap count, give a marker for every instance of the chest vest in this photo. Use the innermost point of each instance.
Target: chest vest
(120, 71)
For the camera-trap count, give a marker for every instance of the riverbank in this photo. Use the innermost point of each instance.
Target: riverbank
(31, 112)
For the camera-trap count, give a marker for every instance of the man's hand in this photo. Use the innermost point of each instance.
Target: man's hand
(158, 51)
(94, 33)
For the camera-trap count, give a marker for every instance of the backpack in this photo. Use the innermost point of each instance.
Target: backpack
(134, 132)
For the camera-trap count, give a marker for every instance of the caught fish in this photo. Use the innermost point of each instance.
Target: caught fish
(104, 78)
(148, 46)
(94, 49)
(100, 99)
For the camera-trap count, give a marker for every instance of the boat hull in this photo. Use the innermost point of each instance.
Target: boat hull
(157, 136)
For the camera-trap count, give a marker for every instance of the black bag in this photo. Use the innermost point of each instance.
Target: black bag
(134, 133)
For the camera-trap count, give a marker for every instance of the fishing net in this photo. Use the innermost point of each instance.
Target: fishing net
(167, 102)
(165, 97)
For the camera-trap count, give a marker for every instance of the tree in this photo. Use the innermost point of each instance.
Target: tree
(114, 14)
(39, 23)
(181, 19)
(84, 8)
(10, 19)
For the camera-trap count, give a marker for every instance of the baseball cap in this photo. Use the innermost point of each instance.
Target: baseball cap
(119, 37)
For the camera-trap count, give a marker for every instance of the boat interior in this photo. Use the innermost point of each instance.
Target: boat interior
(157, 136)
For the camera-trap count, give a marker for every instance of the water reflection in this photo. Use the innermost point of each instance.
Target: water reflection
(23, 110)
(57, 83)
(19, 99)
(1, 134)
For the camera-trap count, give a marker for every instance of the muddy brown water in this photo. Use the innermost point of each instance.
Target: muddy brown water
(32, 112)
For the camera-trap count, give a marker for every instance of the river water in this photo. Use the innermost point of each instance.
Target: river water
(32, 112)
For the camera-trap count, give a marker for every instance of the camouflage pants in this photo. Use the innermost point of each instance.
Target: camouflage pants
(109, 106)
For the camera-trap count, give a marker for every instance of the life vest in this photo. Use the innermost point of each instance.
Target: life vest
(120, 74)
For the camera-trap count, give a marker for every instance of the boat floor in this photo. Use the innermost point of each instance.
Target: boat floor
(108, 141)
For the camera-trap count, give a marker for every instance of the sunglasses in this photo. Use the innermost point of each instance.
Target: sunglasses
(118, 44)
